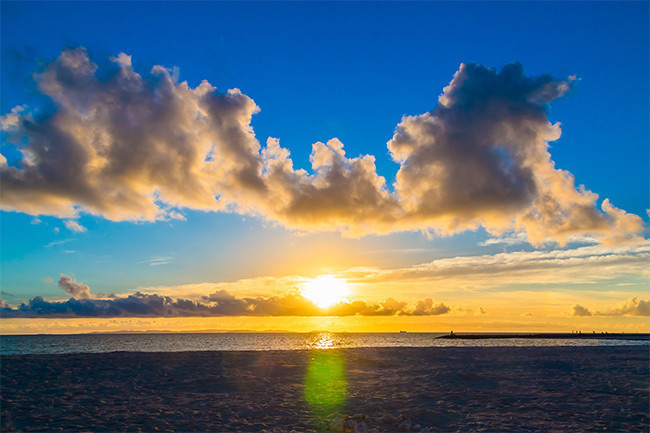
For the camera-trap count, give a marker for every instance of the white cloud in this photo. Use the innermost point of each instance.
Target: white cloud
(510, 239)
(135, 147)
(74, 226)
(157, 261)
(11, 120)
(578, 265)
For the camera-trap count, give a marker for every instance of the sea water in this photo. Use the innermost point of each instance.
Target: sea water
(181, 342)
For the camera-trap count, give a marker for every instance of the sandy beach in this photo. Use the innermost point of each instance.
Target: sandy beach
(544, 389)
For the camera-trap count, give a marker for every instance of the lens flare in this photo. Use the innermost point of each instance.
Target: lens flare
(326, 387)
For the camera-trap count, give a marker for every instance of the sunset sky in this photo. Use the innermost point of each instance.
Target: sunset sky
(325, 166)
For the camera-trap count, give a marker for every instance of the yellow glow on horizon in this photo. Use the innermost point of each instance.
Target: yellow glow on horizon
(441, 323)
(325, 291)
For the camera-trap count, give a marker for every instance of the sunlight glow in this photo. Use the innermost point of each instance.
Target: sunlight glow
(325, 291)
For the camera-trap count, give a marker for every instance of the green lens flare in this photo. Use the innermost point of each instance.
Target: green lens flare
(326, 387)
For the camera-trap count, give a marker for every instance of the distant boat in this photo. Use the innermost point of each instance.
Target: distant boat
(402, 332)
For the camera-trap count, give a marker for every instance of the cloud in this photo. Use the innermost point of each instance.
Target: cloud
(74, 289)
(55, 243)
(220, 303)
(129, 147)
(157, 261)
(519, 276)
(426, 307)
(480, 158)
(583, 264)
(457, 278)
(580, 311)
(74, 226)
(11, 120)
(143, 147)
(510, 239)
(3, 293)
(631, 307)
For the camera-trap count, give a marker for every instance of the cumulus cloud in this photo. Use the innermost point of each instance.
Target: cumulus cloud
(220, 303)
(580, 311)
(74, 289)
(129, 147)
(632, 307)
(141, 147)
(480, 158)
(426, 307)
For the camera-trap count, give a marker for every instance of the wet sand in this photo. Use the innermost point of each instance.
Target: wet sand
(514, 389)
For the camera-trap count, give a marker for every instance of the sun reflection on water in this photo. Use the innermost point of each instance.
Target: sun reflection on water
(324, 340)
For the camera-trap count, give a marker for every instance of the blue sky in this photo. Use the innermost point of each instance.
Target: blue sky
(319, 71)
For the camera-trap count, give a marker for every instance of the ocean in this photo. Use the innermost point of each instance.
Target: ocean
(182, 342)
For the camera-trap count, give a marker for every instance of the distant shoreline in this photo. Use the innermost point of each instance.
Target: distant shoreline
(586, 336)
(444, 335)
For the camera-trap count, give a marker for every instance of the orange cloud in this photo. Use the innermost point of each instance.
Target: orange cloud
(219, 303)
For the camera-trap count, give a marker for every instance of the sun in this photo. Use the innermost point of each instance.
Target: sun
(325, 291)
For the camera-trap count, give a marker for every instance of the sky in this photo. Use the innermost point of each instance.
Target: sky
(429, 165)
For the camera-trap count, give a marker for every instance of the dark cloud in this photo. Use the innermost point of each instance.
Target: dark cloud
(3, 293)
(217, 304)
(139, 147)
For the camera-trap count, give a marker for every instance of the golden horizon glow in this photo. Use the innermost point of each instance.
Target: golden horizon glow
(325, 290)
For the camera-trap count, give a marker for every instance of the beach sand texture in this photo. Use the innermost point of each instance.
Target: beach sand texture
(544, 389)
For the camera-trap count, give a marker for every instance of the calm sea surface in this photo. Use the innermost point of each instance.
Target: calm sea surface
(87, 343)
